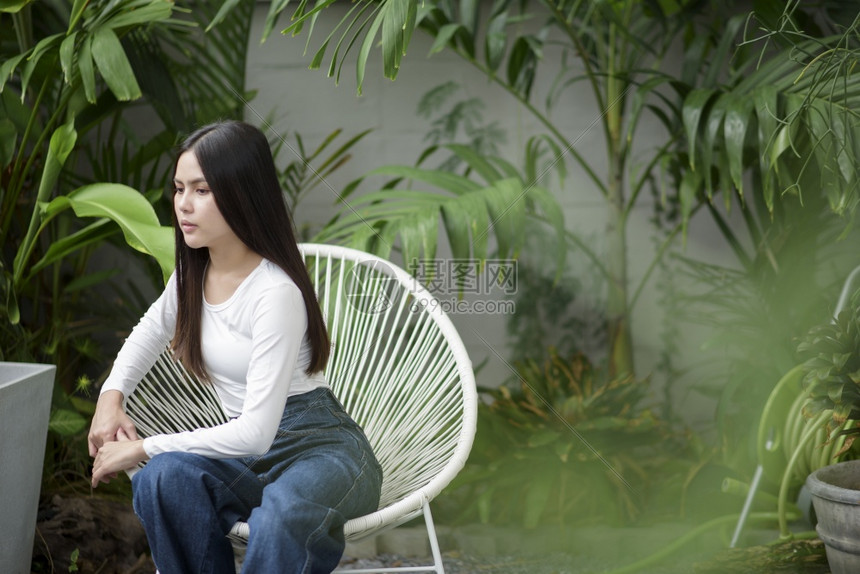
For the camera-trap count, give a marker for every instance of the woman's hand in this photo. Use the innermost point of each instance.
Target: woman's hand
(108, 420)
(116, 456)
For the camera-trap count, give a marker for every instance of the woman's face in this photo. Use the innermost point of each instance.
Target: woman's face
(198, 215)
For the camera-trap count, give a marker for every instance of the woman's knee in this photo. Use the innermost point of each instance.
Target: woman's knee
(166, 474)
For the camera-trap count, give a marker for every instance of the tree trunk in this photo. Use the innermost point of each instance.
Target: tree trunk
(617, 312)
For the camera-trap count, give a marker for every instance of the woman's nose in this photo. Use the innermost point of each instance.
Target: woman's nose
(182, 202)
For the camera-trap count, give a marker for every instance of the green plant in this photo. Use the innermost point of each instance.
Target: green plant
(491, 195)
(77, 178)
(459, 122)
(308, 169)
(832, 374)
(563, 444)
(73, 565)
(558, 310)
(44, 249)
(728, 111)
(620, 45)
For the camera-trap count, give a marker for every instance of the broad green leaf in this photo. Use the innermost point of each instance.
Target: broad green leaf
(67, 53)
(694, 107)
(275, 9)
(300, 16)
(61, 144)
(320, 54)
(640, 98)
(44, 46)
(554, 214)
(521, 66)
(481, 166)
(85, 65)
(364, 51)
(77, 11)
(496, 41)
(12, 309)
(334, 57)
(765, 100)
(227, 6)
(713, 130)
(66, 422)
(689, 186)
(153, 11)
(533, 150)
(469, 10)
(418, 233)
(507, 210)
(842, 134)
(13, 6)
(128, 209)
(451, 182)
(457, 226)
(112, 62)
(728, 44)
(781, 142)
(7, 68)
(90, 235)
(443, 36)
(737, 119)
(396, 16)
(85, 282)
(8, 140)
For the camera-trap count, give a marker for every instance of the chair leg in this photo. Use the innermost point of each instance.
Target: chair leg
(438, 567)
(434, 541)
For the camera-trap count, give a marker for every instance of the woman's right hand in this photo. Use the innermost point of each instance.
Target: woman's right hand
(108, 419)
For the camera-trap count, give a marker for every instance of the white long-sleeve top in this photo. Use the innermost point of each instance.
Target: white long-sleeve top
(255, 350)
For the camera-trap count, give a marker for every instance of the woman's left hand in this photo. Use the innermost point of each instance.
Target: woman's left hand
(116, 456)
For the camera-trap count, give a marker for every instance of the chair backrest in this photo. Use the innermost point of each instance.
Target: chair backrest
(397, 365)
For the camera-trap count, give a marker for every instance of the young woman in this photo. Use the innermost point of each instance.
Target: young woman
(241, 313)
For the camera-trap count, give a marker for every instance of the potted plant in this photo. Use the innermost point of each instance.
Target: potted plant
(832, 380)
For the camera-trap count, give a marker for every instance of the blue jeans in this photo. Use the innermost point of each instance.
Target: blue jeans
(319, 472)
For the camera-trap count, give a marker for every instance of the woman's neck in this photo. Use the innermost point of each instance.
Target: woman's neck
(226, 271)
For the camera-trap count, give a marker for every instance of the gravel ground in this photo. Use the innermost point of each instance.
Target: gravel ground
(554, 563)
(460, 564)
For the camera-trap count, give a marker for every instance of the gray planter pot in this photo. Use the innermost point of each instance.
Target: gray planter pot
(835, 493)
(25, 407)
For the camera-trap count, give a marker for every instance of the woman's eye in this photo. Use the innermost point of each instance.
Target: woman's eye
(178, 190)
(202, 191)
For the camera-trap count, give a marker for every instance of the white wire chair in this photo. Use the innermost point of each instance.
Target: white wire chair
(397, 365)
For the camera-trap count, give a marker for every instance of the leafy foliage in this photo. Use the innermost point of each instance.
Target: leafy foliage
(76, 178)
(308, 169)
(562, 445)
(494, 196)
(832, 371)
(787, 113)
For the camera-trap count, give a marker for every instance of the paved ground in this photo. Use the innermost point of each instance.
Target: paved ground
(597, 550)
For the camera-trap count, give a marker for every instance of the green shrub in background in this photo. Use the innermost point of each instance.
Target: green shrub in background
(563, 444)
(78, 178)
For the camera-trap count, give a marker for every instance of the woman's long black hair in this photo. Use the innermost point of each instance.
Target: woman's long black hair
(238, 166)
